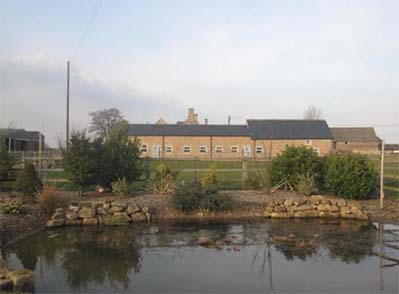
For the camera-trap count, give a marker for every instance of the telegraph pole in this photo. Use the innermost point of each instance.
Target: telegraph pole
(67, 108)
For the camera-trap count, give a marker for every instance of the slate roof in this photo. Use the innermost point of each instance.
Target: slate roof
(288, 129)
(256, 129)
(355, 134)
(391, 147)
(20, 134)
(187, 130)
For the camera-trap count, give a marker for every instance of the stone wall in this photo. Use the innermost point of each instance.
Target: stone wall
(113, 213)
(314, 206)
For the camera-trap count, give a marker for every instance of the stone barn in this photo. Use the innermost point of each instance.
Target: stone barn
(359, 140)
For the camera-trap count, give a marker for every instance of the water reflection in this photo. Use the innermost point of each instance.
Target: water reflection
(113, 257)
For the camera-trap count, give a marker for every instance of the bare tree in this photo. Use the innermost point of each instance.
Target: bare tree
(104, 121)
(312, 113)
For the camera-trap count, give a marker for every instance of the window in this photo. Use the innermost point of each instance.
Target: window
(168, 149)
(144, 148)
(203, 149)
(187, 149)
(258, 149)
(308, 142)
(234, 149)
(316, 150)
(218, 149)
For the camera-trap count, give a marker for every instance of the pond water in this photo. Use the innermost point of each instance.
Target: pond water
(263, 256)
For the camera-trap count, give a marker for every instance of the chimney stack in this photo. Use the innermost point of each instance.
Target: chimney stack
(206, 121)
(229, 120)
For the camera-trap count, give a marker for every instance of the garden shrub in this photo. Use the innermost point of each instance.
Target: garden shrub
(121, 187)
(189, 197)
(258, 179)
(164, 180)
(49, 199)
(210, 178)
(306, 184)
(350, 175)
(13, 208)
(28, 181)
(293, 162)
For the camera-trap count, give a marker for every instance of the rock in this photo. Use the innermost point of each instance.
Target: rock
(333, 214)
(304, 207)
(106, 205)
(114, 209)
(358, 213)
(148, 216)
(299, 202)
(132, 208)
(145, 209)
(267, 213)
(324, 207)
(315, 199)
(345, 210)
(347, 215)
(5, 285)
(138, 217)
(270, 207)
(87, 212)
(90, 221)
(121, 218)
(53, 223)
(280, 209)
(71, 215)
(73, 222)
(74, 208)
(288, 202)
(325, 201)
(23, 280)
(60, 210)
(119, 203)
(203, 241)
(101, 210)
(57, 215)
(105, 220)
(322, 214)
(341, 203)
(279, 215)
(362, 216)
(334, 208)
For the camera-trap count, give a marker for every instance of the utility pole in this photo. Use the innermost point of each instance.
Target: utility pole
(382, 175)
(67, 108)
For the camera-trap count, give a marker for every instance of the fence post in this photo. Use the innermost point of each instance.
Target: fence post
(382, 176)
(244, 169)
(147, 172)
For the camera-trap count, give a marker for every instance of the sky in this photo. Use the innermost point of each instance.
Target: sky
(152, 59)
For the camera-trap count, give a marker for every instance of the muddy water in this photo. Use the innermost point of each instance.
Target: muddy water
(263, 256)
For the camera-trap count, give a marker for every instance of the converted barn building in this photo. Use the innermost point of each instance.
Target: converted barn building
(359, 140)
(21, 140)
(257, 139)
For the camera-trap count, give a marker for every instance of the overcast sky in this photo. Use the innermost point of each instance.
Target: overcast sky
(247, 59)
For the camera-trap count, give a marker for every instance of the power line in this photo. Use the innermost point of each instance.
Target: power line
(89, 24)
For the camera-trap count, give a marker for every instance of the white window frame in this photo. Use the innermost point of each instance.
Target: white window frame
(259, 150)
(308, 142)
(218, 149)
(144, 147)
(234, 149)
(316, 150)
(186, 149)
(246, 152)
(168, 148)
(203, 149)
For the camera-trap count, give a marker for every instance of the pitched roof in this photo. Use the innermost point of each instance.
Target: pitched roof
(288, 129)
(391, 147)
(355, 134)
(187, 130)
(20, 134)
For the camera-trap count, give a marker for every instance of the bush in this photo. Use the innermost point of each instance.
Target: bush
(293, 162)
(13, 208)
(210, 178)
(28, 181)
(164, 180)
(306, 184)
(189, 197)
(121, 187)
(258, 179)
(7, 162)
(350, 175)
(49, 199)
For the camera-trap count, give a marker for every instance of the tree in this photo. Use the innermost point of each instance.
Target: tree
(77, 160)
(104, 121)
(312, 113)
(7, 159)
(28, 181)
(117, 158)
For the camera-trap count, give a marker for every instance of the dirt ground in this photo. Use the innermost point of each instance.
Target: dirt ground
(247, 204)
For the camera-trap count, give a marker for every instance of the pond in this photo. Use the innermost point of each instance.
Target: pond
(259, 256)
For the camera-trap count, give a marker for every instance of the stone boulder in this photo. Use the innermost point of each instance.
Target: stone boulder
(121, 218)
(87, 212)
(315, 199)
(74, 208)
(280, 209)
(132, 208)
(23, 280)
(5, 285)
(279, 215)
(115, 209)
(73, 222)
(90, 221)
(106, 205)
(54, 223)
(57, 215)
(101, 210)
(71, 215)
(138, 217)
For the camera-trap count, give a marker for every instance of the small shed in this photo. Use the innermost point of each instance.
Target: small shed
(359, 140)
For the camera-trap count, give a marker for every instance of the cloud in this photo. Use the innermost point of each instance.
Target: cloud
(33, 96)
